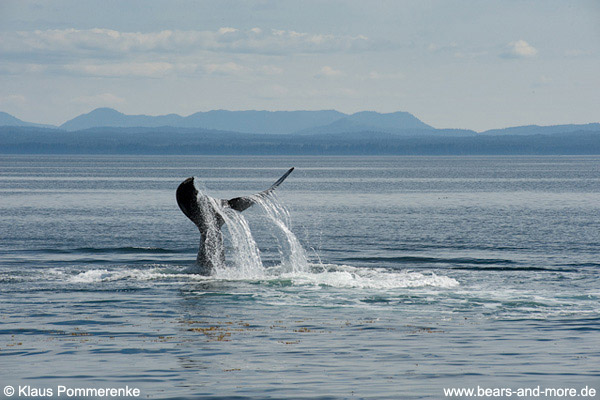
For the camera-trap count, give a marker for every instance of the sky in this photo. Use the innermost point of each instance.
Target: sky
(468, 64)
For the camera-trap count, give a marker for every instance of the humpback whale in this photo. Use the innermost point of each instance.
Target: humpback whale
(205, 212)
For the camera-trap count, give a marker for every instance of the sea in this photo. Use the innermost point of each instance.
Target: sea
(376, 278)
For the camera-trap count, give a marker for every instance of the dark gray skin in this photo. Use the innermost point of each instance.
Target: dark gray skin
(202, 210)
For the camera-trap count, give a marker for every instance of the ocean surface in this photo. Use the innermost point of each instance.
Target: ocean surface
(391, 277)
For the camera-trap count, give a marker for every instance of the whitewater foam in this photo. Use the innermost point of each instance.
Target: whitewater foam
(104, 275)
(344, 276)
(329, 275)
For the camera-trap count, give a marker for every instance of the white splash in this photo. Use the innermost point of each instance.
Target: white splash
(244, 261)
(213, 242)
(104, 275)
(293, 255)
(245, 255)
(345, 276)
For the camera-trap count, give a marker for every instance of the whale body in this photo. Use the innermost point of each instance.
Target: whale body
(205, 212)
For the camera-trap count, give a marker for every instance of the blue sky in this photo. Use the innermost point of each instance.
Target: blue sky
(453, 64)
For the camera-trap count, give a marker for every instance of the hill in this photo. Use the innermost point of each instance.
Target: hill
(8, 120)
(543, 130)
(401, 123)
(269, 122)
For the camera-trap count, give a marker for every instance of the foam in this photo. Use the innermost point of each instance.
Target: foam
(328, 275)
(368, 278)
(134, 274)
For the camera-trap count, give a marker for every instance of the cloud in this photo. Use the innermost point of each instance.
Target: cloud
(226, 30)
(136, 69)
(102, 43)
(110, 53)
(519, 49)
(328, 72)
(139, 69)
(21, 68)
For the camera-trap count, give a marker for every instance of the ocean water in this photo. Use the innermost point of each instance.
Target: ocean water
(397, 277)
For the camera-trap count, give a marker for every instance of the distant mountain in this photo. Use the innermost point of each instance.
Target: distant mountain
(263, 122)
(270, 122)
(369, 121)
(8, 120)
(107, 117)
(391, 121)
(543, 130)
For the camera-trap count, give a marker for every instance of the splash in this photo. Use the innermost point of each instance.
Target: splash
(245, 255)
(345, 276)
(212, 252)
(293, 255)
(244, 261)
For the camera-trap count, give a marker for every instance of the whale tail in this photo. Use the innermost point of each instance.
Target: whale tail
(187, 198)
(203, 211)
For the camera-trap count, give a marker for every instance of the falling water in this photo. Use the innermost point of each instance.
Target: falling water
(293, 256)
(244, 254)
(213, 237)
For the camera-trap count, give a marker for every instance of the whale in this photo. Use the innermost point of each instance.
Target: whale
(206, 213)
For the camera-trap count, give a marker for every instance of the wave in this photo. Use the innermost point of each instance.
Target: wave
(114, 250)
(133, 274)
(432, 260)
(471, 264)
(588, 264)
(517, 268)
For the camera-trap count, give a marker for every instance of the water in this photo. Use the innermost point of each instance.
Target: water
(390, 277)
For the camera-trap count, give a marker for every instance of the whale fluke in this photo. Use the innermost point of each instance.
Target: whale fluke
(242, 203)
(205, 212)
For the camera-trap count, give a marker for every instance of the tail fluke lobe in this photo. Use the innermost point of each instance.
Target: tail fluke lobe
(187, 200)
(242, 203)
(273, 186)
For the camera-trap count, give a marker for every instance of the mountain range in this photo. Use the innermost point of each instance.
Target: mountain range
(325, 122)
(107, 131)
(263, 122)
(268, 122)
